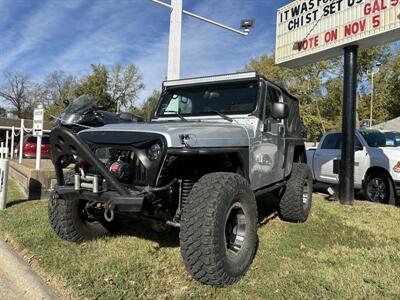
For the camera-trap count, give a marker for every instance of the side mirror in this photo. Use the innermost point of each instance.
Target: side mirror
(358, 148)
(280, 110)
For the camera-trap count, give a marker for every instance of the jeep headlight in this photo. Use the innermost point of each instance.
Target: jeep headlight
(396, 167)
(154, 152)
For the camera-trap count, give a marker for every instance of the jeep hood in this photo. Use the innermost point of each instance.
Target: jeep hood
(201, 134)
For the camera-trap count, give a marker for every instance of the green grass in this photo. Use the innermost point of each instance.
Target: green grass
(341, 252)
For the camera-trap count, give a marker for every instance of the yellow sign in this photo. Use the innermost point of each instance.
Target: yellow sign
(313, 30)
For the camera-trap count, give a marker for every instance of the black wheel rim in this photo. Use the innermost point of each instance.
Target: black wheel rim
(376, 190)
(235, 228)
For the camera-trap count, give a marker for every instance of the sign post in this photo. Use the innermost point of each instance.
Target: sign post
(175, 33)
(346, 173)
(312, 30)
(12, 142)
(21, 141)
(3, 183)
(37, 131)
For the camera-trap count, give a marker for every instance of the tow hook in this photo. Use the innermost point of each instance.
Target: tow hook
(109, 211)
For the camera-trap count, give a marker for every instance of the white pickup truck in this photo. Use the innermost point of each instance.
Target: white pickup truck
(377, 164)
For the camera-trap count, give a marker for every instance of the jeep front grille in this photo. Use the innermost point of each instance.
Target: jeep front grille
(140, 172)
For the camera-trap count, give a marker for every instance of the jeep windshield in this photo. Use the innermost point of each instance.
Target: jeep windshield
(206, 100)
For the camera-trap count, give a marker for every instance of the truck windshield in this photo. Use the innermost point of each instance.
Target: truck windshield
(228, 99)
(376, 138)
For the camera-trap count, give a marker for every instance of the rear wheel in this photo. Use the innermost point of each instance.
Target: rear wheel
(295, 204)
(218, 234)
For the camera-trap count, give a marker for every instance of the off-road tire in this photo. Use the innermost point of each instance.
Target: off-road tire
(292, 206)
(66, 219)
(203, 234)
(389, 189)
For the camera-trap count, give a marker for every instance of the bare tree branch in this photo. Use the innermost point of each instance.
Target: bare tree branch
(16, 92)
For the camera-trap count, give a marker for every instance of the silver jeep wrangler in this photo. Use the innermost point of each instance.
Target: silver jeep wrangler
(212, 146)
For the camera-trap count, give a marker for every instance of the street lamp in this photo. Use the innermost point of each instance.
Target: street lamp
(378, 65)
(175, 33)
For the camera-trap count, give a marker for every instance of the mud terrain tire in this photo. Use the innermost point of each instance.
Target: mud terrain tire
(218, 235)
(67, 220)
(295, 204)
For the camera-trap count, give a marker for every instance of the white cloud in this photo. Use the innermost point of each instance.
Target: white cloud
(32, 32)
(124, 32)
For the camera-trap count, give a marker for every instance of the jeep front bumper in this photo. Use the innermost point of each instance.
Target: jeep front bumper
(131, 203)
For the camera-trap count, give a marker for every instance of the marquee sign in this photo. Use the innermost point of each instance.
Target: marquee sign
(313, 30)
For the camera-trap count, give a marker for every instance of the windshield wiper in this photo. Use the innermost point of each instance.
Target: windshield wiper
(225, 117)
(177, 114)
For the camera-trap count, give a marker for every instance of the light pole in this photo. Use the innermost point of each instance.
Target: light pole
(378, 65)
(175, 33)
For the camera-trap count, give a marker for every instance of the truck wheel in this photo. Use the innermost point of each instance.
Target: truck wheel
(69, 220)
(218, 235)
(295, 204)
(379, 189)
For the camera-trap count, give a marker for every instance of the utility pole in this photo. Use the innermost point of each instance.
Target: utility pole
(372, 99)
(175, 33)
(372, 93)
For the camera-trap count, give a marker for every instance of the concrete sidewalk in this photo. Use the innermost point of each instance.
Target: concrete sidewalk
(18, 280)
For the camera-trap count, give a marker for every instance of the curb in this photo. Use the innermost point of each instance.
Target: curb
(23, 279)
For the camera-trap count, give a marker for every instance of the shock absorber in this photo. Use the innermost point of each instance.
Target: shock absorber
(187, 186)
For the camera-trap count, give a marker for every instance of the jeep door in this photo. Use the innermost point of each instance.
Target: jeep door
(267, 153)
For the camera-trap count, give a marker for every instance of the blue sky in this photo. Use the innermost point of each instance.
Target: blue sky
(40, 36)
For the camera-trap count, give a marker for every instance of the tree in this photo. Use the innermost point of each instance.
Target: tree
(124, 85)
(16, 93)
(3, 112)
(392, 82)
(319, 87)
(118, 87)
(96, 85)
(58, 89)
(148, 106)
(305, 82)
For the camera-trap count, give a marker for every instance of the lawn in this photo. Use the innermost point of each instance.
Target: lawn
(341, 252)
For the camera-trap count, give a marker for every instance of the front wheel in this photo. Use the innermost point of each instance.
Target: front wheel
(379, 188)
(70, 220)
(218, 234)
